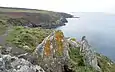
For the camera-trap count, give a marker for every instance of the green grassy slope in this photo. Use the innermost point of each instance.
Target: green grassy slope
(29, 37)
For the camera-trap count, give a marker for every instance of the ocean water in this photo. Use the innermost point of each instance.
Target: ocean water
(99, 29)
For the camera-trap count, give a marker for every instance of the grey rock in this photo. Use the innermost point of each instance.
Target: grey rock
(15, 64)
(89, 54)
(6, 50)
(53, 62)
(63, 20)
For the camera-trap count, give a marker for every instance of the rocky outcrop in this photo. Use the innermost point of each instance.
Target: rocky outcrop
(14, 64)
(10, 62)
(90, 57)
(54, 52)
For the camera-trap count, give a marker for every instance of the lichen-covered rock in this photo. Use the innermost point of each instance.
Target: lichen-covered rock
(54, 52)
(59, 54)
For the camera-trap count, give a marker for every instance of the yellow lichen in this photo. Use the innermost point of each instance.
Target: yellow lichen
(47, 50)
(59, 41)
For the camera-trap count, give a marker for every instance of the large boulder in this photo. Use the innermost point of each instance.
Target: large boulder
(54, 52)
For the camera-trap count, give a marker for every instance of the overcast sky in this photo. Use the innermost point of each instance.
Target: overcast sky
(64, 5)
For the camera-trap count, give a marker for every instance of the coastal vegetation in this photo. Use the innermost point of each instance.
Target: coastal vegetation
(29, 37)
(31, 17)
(26, 29)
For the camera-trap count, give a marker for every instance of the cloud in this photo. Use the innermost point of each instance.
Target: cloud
(63, 5)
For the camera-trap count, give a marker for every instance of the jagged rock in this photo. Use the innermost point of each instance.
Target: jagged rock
(54, 52)
(53, 55)
(90, 57)
(73, 44)
(15, 64)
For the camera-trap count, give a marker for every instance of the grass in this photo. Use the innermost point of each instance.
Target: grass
(105, 63)
(78, 65)
(27, 38)
(77, 62)
(3, 27)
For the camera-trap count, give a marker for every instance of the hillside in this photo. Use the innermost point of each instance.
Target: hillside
(11, 17)
(31, 17)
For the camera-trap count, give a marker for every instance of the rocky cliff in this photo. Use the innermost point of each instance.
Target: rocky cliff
(56, 53)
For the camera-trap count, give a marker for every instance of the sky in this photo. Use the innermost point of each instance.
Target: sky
(64, 5)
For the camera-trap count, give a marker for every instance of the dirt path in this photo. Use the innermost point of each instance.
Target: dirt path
(4, 36)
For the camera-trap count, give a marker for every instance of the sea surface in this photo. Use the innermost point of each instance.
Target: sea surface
(99, 29)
